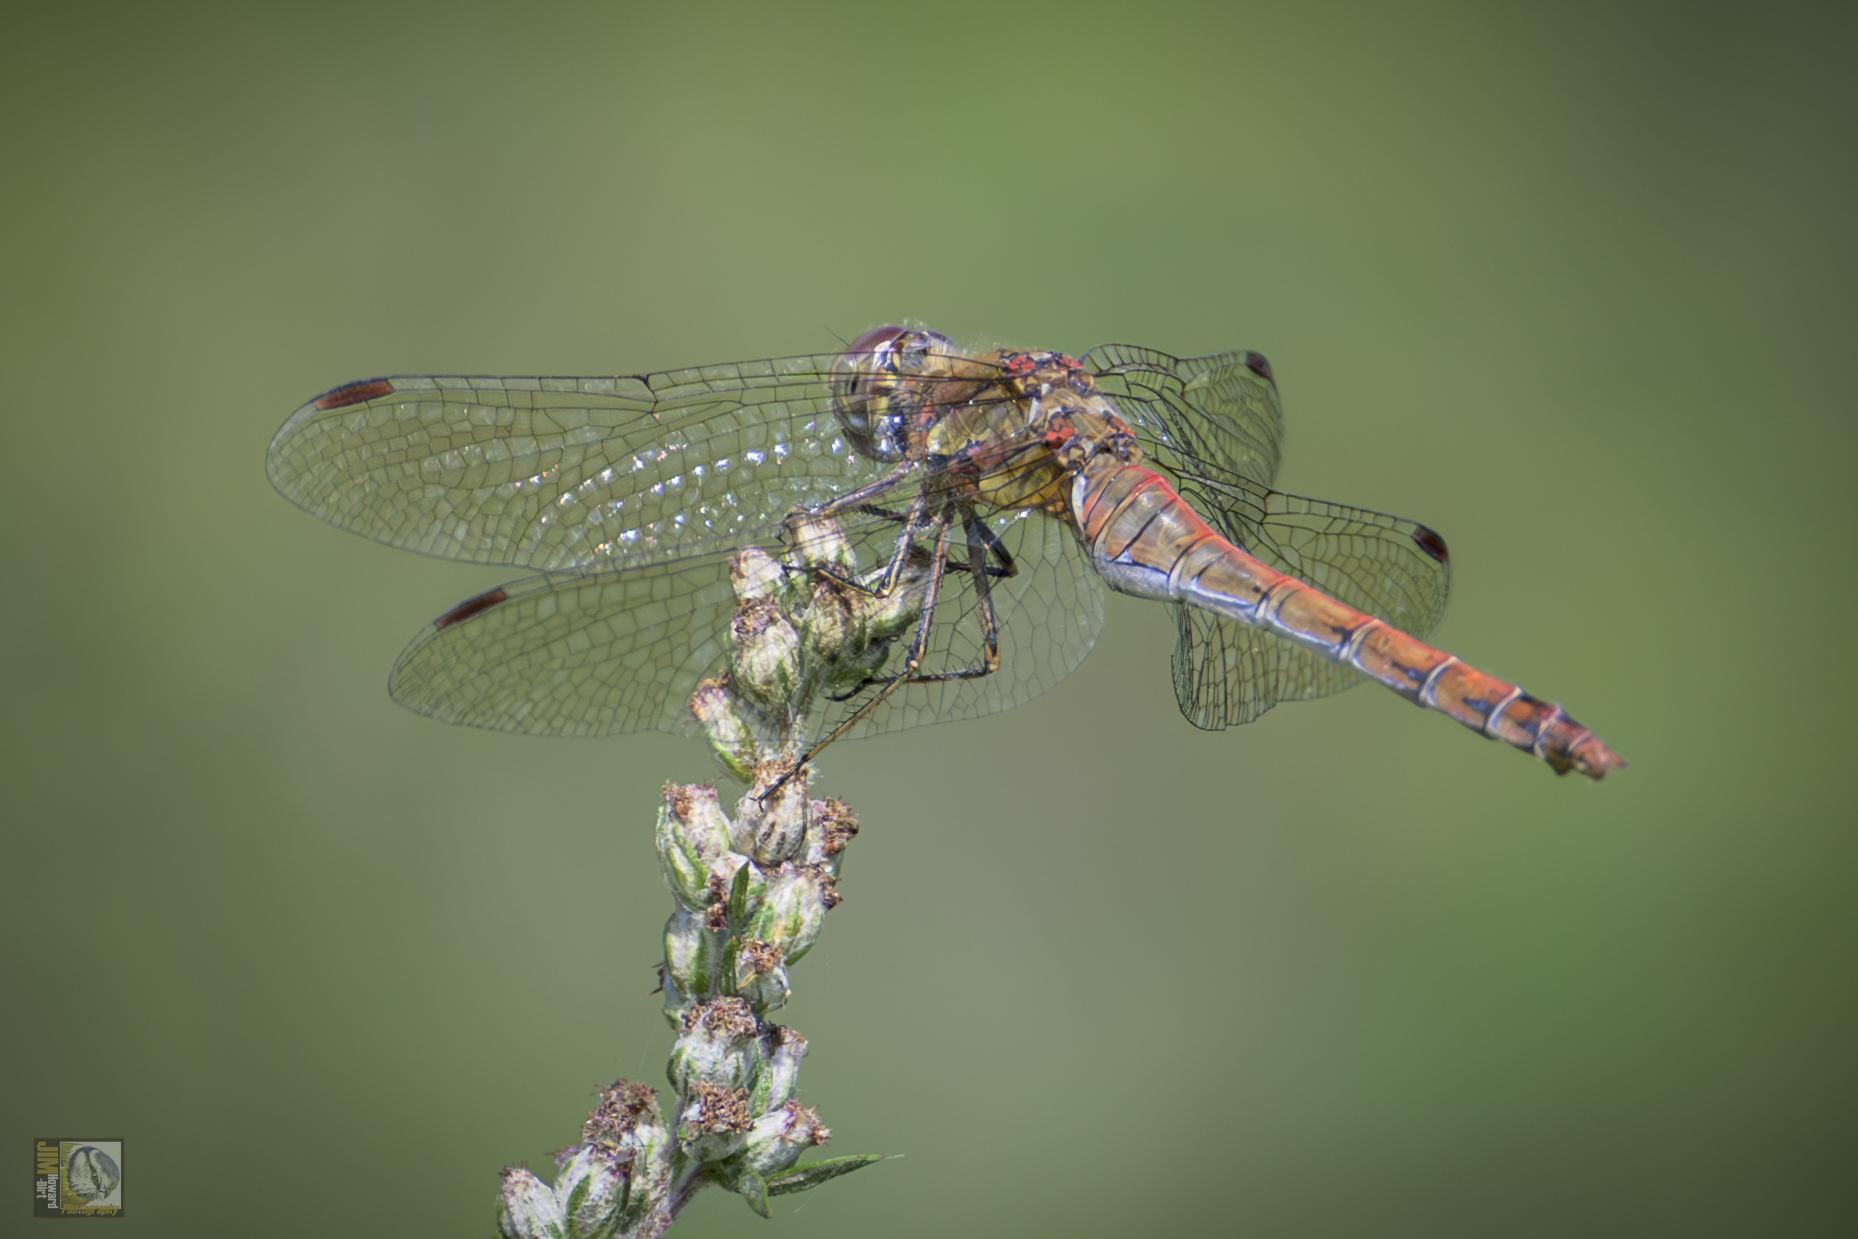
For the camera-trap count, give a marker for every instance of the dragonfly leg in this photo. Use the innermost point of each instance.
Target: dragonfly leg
(996, 548)
(990, 656)
(906, 541)
(980, 539)
(932, 588)
(1005, 568)
(870, 490)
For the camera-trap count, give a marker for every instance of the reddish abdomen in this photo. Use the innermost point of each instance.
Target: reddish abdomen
(1146, 540)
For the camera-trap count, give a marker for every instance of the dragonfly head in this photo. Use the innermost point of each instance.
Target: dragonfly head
(872, 392)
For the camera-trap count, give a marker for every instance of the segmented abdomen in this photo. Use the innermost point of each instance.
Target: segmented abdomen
(1146, 540)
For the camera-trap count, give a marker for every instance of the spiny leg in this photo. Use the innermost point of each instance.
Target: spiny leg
(981, 545)
(996, 547)
(911, 521)
(870, 490)
(1007, 567)
(980, 538)
(932, 588)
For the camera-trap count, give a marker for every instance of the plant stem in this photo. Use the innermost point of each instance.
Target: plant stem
(750, 890)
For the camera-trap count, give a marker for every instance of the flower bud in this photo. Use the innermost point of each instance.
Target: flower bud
(692, 956)
(794, 910)
(626, 1124)
(741, 892)
(592, 1190)
(773, 830)
(714, 1122)
(821, 543)
(693, 832)
(725, 720)
(760, 976)
(527, 1208)
(887, 616)
(785, 1049)
(756, 577)
(625, 1107)
(720, 1045)
(830, 627)
(830, 828)
(857, 665)
(764, 656)
(780, 1136)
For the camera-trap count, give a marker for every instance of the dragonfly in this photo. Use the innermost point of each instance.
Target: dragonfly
(1015, 484)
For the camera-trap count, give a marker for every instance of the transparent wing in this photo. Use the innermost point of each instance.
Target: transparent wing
(1216, 425)
(563, 473)
(1050, 612)
(600, 651)
(1226, 672)
(587, 653)
(1222, 409)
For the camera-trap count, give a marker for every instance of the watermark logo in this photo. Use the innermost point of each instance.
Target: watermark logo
(77, 1178)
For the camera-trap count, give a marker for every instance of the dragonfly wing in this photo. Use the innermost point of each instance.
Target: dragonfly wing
(588, 653)
(1216, 425)
(1226, 672)
(599, 651)
(561, 473)
(1222, 408)
(1049, 614)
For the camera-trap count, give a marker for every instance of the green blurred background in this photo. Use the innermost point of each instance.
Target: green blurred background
(1573, 285)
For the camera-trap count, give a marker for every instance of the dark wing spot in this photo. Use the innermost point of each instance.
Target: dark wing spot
(1431, 543)
(469, 607)
(1256, 363)
(354, 393)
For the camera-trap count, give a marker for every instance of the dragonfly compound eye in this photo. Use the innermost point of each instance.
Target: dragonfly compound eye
(872, 391)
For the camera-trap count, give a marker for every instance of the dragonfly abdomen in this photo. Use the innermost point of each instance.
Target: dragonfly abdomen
(1146, 540)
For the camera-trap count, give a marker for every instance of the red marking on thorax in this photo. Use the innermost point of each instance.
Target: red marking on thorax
(469, 607)
(354, 393)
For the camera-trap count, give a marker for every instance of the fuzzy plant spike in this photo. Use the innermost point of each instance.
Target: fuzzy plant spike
(750, 887)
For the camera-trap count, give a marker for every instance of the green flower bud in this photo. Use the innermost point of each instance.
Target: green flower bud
(885, 617)
(760, 976)
(714, 1122)
(779, 1137)
(785, 1048)
(625, 1123)
(794, 910)
(764, 656)
(747, 887)
(693, 833)
(831, 628)
(725, 720)
(774, 830)
(854, 668)
(720, 1044)
(693, 954)
(592, 1190)
(527, 1208)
